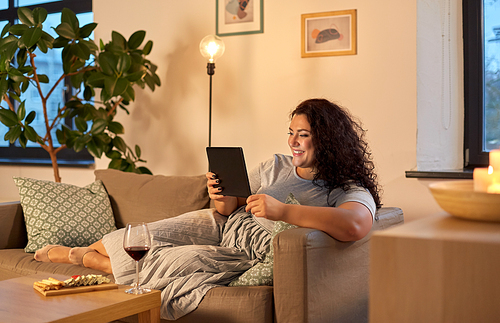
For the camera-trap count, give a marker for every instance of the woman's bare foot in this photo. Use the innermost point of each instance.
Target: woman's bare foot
(90, 258)
(53, 253)
(76, 255)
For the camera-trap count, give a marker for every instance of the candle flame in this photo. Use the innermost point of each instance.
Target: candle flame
(490, 170)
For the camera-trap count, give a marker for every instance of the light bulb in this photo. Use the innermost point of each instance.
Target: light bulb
(212, 47)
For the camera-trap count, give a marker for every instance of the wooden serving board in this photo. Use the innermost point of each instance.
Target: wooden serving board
(74, 290)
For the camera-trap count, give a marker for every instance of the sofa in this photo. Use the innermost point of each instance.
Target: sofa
(316, 278)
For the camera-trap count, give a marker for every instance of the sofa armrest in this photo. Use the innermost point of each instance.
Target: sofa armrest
(320, 279)
(12, 227)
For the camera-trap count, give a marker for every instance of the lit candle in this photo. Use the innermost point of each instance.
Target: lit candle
(483, 178)
(495, 159)
(494, 188)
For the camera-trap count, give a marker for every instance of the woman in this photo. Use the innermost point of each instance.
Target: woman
(329, 152)
(330, 173)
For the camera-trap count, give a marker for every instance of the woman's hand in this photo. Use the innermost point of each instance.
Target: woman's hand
(265, 206)
(214, 192)
(225, 205)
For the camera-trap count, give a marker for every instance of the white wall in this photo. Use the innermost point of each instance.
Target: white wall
(257, 82)
(439, 85)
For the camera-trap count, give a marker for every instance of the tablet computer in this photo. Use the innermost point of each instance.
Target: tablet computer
(228, 163)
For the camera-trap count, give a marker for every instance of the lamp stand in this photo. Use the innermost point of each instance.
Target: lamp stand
(210, 71)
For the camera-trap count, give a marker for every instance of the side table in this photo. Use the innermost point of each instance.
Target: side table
(19, 302)
(436, 269)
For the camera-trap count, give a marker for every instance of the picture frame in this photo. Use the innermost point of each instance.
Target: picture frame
(331, 33)
(239, 17)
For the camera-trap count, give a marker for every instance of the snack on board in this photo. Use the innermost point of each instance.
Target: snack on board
(49, 284)
(74, 281)
(86, 280)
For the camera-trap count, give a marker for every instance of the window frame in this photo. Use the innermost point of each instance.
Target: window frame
(473, 37)
(13, 155)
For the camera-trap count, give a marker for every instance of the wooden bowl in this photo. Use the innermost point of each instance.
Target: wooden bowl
(459, 199)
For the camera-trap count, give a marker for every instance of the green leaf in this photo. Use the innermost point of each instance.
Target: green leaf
(115, 164)
(123, 63)
(30, 133)
(4, 86)
(81, 124)
(120, 87)
(94, 149)
(18, 29)
(147, 48)
(138, 151)
(150, 81)
(90, 44)
(60, 42)
(144, 170)
(46, 36)
(61, 138)
(98, 126)
(88, 93)
(65, 30)
(26, 16)
(5, 30)
(42, 78)
(109, 85)
(16, 75)
(21, 111)
(8, 117)
(116, 127)
(96, 79)
(76, 80)
(31, 116)
(69, 17)
(39, 15)
(86, 30)
(9, 46)
(42, 45)
(31, 36)
(80, 50)
(136, 39)
(108, 62)
(114, 155)
(22, 140)
(129, 94)
(118, 40)
(13, 134)
(119, 143)
(22, 56)
(135, 76)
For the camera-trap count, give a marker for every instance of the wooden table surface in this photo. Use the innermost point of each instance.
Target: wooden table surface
(19, 302)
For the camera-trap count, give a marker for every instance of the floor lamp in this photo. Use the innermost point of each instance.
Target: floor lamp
(211, 47)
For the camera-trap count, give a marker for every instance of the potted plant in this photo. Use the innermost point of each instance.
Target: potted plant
(109, 71)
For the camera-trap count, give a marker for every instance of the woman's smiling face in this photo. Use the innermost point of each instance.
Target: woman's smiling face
(301, 145)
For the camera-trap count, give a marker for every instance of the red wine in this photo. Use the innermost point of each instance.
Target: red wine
(137, 252)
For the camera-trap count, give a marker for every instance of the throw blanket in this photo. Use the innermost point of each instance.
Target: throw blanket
(191, 254)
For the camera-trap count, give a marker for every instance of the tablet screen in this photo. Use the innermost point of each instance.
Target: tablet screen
(228, 163)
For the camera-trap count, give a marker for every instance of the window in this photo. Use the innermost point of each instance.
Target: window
(481, 32)
(51, 65)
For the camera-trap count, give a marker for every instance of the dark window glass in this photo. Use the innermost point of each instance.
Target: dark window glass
(51, 65)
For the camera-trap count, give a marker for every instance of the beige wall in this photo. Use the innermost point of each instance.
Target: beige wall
(258, 81)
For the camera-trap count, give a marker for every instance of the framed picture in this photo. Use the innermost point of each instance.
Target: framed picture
(239, 17)
(329, 33)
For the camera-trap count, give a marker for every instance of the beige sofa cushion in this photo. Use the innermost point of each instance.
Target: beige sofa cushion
(150, 198)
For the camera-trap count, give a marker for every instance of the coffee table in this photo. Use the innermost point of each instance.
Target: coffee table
(19, 302)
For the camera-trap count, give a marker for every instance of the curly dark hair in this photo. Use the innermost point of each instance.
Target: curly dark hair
(341, 152)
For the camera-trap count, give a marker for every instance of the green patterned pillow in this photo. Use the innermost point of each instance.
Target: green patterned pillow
(64, 214)
(262, 272)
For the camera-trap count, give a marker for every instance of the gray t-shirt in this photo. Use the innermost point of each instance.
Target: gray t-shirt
(277, 177)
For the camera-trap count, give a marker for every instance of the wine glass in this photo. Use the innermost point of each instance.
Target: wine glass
(137, 243)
